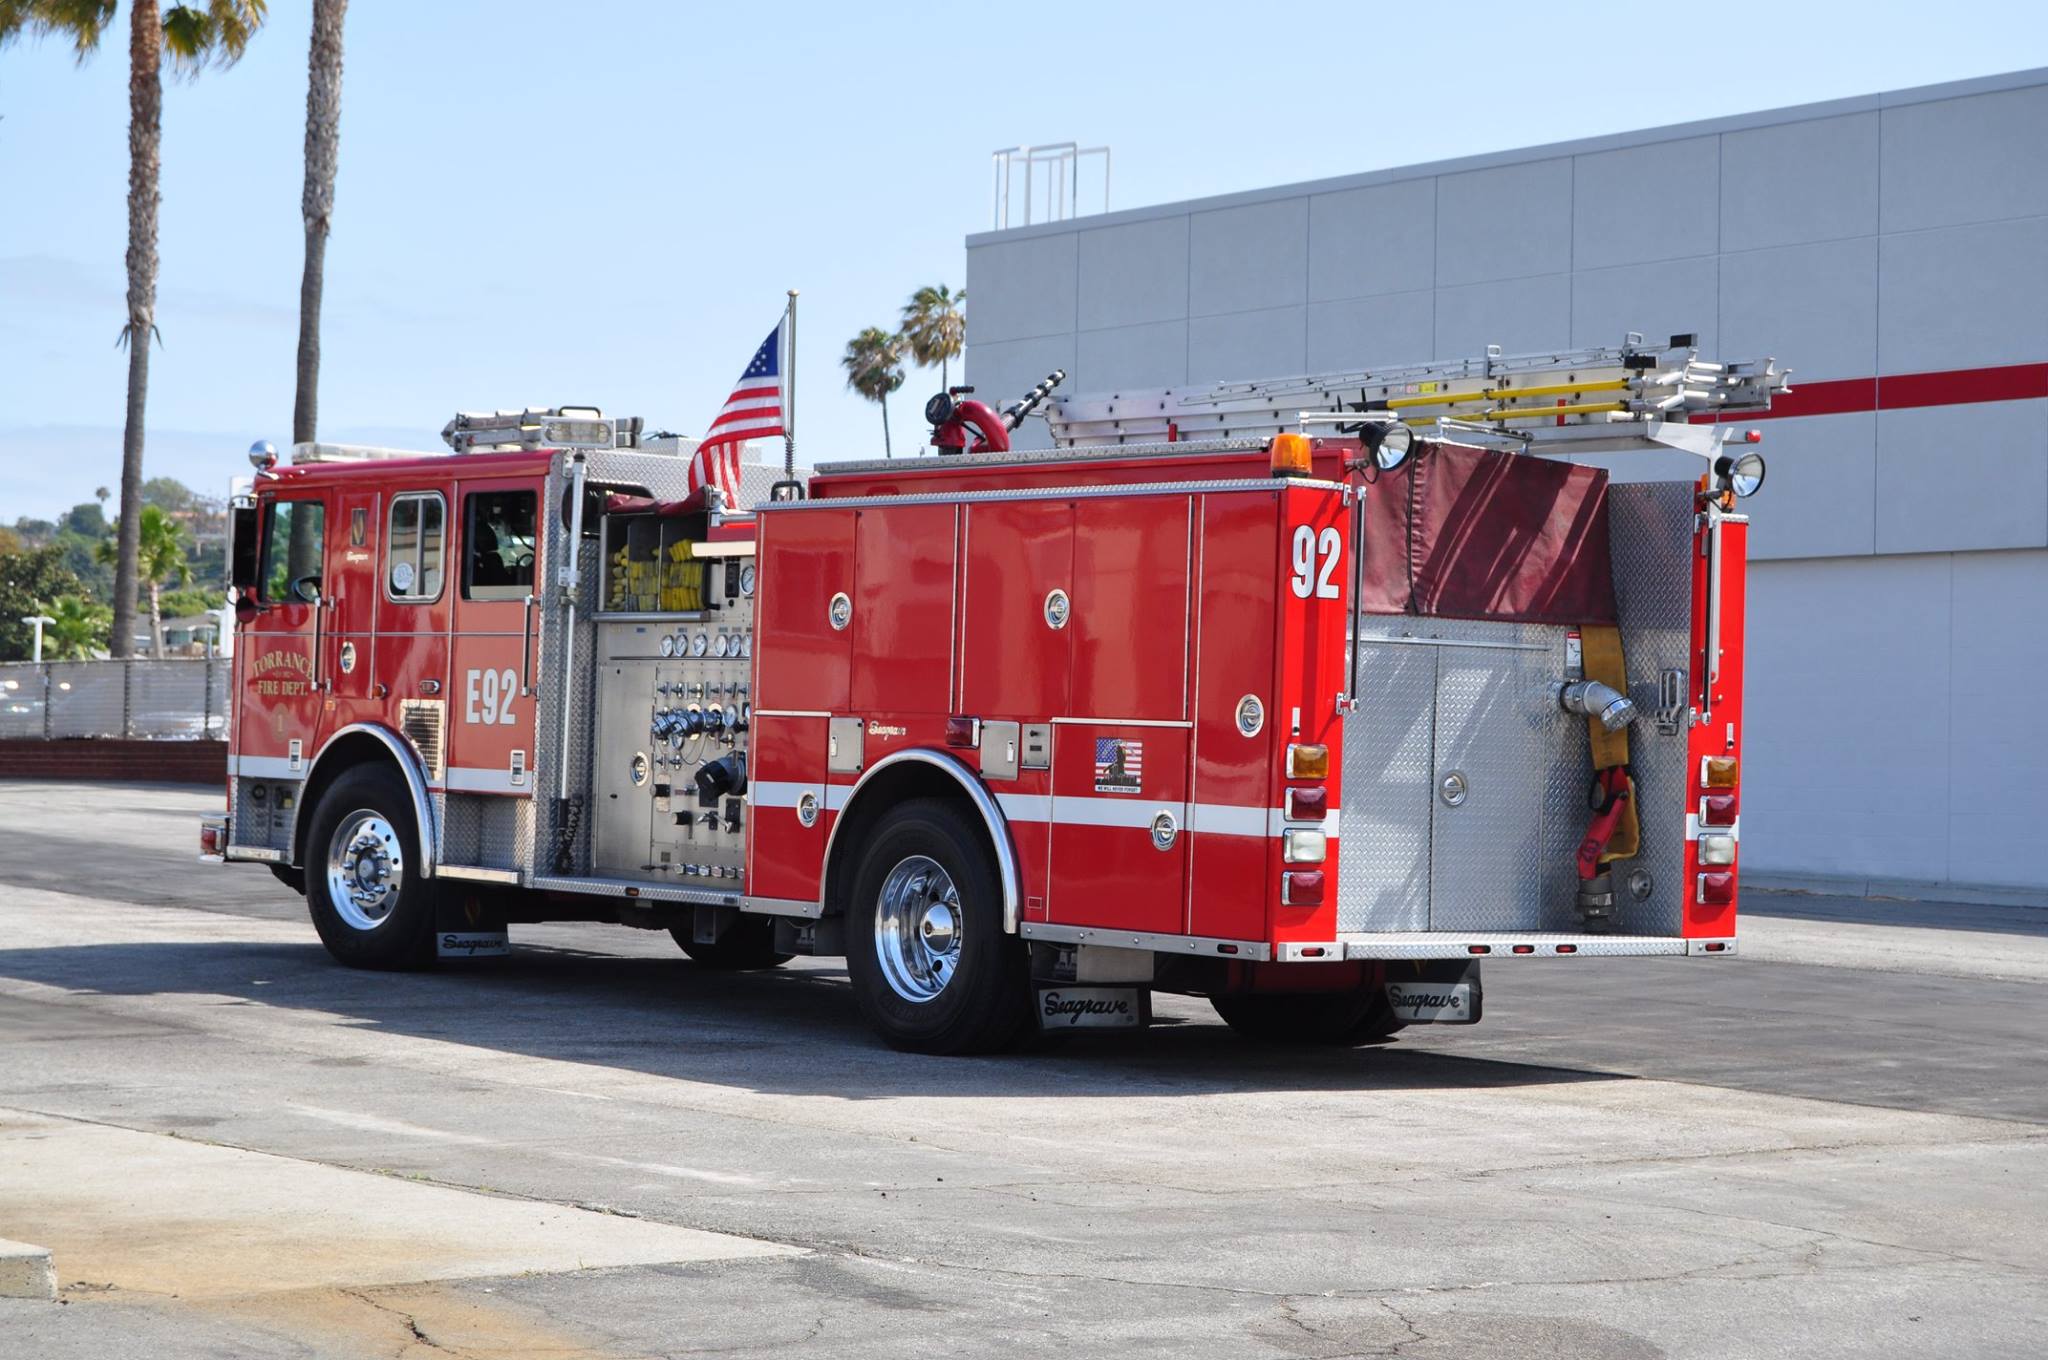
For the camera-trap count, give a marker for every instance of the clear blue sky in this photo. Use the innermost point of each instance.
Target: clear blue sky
(544, 203)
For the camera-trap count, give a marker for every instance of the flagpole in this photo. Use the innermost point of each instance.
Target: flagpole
(789, 405)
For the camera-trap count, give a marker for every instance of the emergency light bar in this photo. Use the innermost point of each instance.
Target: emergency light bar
(534, 427)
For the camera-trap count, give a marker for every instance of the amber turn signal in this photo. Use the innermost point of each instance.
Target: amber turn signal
(1291, 455)
(1720, 772)
(1308, 762)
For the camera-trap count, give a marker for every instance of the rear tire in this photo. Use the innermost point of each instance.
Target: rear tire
(1361, 1016)
(748, 943)
(933, 970)
(363, 888)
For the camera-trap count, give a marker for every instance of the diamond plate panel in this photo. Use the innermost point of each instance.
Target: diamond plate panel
(1383, 825)
(486, 830)
(259, 820)
(1651, 524)
(1489, 729)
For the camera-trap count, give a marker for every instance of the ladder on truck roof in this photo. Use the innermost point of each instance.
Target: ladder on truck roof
(1598, 400)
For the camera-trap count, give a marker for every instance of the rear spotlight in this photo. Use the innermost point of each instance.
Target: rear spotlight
(1743, 475)
(1389, 442)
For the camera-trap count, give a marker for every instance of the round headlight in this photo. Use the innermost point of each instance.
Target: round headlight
(1390, 444)
(1746, 474)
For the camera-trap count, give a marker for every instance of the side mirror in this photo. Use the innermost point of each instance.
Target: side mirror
(243, 548)
(246, 607)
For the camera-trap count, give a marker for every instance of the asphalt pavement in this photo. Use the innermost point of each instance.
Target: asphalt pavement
(1829, 1144)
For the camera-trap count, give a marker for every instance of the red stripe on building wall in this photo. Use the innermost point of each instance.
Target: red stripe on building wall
(1903, 391)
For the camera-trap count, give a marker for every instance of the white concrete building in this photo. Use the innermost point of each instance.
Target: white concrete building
(1892, 250)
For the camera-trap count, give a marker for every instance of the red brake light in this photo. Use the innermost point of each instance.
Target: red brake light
(1718, 809)
(1302, 887)
(1716, 889)
(1307, 805)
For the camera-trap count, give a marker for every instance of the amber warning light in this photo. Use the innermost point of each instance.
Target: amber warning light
(1291, 455)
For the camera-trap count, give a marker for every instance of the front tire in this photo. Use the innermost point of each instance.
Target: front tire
(933, 970)
(363, 888)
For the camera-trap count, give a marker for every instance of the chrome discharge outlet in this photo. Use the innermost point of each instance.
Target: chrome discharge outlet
(1591, 699)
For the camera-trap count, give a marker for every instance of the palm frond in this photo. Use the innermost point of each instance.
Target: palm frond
(215, 32)
(84, 22)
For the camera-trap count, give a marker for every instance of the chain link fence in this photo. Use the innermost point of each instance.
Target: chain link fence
(182, 699)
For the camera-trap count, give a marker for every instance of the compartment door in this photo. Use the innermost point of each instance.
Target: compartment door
(1493, 707)
(1110, 781)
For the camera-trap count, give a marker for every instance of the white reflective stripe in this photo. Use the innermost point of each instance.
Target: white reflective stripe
(1025, 807)
(1125, 812)
(1279, 824)
(267, 767)
(1693, 829)
(476, 779)
(1228, 819)
(773, 793)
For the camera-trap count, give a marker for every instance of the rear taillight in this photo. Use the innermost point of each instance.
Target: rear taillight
(1718, 809)
(1716, 888)
(1302, 887)
(1307, 805)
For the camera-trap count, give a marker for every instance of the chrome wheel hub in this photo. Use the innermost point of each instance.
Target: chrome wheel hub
(365, 870)
(918, 925)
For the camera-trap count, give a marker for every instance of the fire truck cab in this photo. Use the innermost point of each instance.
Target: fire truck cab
(1306, 697)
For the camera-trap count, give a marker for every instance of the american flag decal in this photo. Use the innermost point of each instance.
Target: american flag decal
(1119, 765)
(753, 411)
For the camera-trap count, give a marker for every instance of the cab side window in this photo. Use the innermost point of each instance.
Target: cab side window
(413, 549)
(294, 548)
(500, 531)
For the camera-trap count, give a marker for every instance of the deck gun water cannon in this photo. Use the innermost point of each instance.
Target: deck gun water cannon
(955, 422)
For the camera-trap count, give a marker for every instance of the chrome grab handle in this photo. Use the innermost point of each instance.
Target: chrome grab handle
(526, 648)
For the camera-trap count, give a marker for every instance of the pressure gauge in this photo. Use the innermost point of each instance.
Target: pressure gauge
(698, 644)
(746, 644)
(668, 646)
(746, 578)
(718, 645)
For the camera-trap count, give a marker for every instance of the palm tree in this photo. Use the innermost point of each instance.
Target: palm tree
(160, 542)
(323, 138)
(77, 627)
(935, 327)
(188, 36)
(874, 368)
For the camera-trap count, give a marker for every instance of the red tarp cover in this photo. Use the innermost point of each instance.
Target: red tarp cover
(1481, 534)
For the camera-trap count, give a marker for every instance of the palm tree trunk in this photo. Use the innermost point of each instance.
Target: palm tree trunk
(887, 452)
(145, 131)
(323, 137)
(156, 619)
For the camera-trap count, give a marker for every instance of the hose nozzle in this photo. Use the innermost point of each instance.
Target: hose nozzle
(1591, 699)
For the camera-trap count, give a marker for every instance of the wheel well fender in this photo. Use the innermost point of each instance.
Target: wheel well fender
(917, 773)
(366, 744)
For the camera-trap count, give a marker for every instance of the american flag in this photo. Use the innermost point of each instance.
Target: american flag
(753, 411)
(1119, 764)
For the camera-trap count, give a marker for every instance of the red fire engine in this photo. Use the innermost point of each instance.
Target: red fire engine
(1304, 696)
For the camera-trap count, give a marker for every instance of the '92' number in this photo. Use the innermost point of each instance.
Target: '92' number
(488, 696)
(1315, 562)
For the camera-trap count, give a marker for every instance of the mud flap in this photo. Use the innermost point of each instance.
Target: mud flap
(1439, 992)
(465, 927)
(1063, 1006)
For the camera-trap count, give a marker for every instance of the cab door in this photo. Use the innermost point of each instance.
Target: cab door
(349, 635)
(278, 655)
(493, 642)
